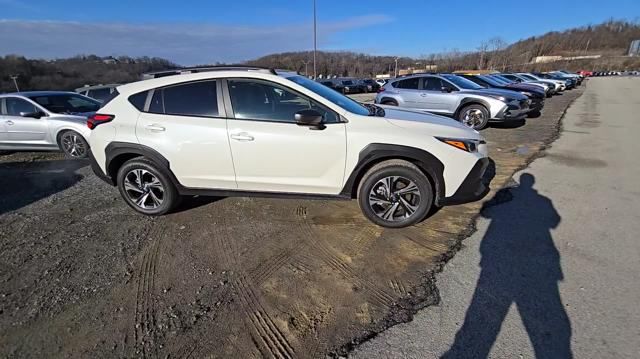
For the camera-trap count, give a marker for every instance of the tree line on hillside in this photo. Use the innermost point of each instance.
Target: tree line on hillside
(610, 39)
(71, 73)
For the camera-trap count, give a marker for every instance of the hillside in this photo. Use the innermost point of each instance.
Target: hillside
(68, 74)
(610, 39)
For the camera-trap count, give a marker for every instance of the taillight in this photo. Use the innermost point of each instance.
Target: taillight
(98, 119)
(381, 89)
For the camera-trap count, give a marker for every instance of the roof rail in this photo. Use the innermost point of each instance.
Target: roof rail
(191, 70)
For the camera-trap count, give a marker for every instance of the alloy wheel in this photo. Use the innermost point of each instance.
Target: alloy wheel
(144, 189)
(394, 198)
(473, 117)
(73, 145)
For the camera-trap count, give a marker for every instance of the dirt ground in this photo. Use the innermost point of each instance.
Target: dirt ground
(82, 275)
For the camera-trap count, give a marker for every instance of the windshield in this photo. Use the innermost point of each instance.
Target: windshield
(506, 80)
(66, 103)
(490, 80)
(528, 77)
(331, 95)
(462, 82)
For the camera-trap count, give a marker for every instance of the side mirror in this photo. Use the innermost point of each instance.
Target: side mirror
(446, 89)
(310, 118)
(36, 114)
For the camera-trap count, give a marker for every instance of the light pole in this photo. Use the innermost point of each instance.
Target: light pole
(306, 63)
(396, 71)
(315, 42)
(15, 82)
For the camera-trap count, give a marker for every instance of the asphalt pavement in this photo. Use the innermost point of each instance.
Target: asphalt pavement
(551, 271)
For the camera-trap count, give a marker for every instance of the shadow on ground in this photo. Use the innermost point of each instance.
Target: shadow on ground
(521, 266)
(22, 183)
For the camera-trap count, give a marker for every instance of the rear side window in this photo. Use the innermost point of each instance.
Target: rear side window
(411, 84)
(194, 99)
(100, 94)
(138, 100)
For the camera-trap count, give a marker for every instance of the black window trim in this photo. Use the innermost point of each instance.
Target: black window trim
(221, 109)
(231, 115)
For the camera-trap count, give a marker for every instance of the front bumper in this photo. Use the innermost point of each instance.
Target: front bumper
(98, 171)
(513, 111)
(474, 187)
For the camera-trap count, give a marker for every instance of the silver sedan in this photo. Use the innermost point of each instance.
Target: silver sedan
(46, 120)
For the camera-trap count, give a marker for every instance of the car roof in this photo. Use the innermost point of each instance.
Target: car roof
(95, 87)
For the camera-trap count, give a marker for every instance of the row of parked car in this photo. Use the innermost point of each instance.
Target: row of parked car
(477, 99)
(353, 85)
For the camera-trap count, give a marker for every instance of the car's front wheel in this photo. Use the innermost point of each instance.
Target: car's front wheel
(146, 188)
(474, 116)
(395, 194)
(73, 144)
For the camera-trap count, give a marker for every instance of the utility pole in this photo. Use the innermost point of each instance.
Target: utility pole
(396, 71)
(306, 63)
(15, 82)
(315, 42)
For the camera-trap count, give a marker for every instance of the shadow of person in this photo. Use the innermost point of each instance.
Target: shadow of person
(520, 265)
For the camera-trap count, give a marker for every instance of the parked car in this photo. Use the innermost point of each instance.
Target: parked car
(451, 95)
(283, 135)
(351, 86)
(369, 85)
(558, 85)
(381, 82)
(548, 88)
(564, 73)
(533, 93)
(333, 84)
(46, 120)
(569, 81)
(98, 92)
(585, 73)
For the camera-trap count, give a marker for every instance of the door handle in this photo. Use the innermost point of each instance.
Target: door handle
(9, 122)
(242, 136)
(155, 128)
(423, 94)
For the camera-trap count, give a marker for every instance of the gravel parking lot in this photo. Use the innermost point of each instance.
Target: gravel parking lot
(84, 276)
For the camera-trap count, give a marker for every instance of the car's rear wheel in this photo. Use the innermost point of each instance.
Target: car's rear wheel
(474, 116)
(395, 194)
(146, 188)
(73, 144)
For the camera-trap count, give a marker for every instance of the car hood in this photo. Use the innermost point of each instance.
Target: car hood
(433, 124)
(510, 95)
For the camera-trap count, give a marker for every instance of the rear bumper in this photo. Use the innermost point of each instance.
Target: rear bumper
(98, 171)
(474, 187)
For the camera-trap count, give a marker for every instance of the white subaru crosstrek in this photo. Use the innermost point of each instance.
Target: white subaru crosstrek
(257, 132)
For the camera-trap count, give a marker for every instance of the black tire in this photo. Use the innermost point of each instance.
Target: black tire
(389, 102)
(480, 115)
(73, 145)
(410, 207)
(169, 198)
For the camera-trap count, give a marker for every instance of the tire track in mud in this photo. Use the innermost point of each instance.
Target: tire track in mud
(265, 333)
(328, 256)
(145, 315)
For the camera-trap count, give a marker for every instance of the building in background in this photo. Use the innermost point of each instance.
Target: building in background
(634, 48)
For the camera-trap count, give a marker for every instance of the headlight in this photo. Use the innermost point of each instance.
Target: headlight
(462, 144)
(500, 98)
(527, 93)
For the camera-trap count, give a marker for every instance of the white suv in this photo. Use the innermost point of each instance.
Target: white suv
(258, 132)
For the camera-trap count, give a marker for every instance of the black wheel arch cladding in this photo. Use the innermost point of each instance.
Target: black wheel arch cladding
(375, 153)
